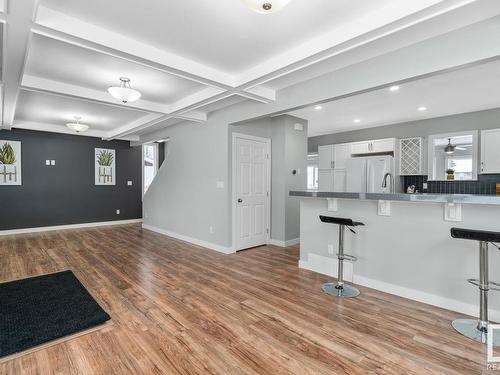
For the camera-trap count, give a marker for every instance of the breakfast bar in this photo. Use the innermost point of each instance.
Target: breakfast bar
(405, 247)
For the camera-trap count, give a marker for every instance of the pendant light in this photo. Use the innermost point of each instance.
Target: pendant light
(449, 149)
(266, 6)
(76, 126)
(124, 92)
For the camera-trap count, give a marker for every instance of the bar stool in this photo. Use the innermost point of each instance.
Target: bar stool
(340, 289)
(471, 328)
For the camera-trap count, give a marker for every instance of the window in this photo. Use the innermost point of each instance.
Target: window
(312, 176)
(461, 165)
(149, 164)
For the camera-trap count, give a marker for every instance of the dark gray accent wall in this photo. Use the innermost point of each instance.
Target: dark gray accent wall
(65, 193)
(489, 119)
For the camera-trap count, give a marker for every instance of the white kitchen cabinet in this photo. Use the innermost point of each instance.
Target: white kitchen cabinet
(372, 147)
(341, 153)
(490, 151)
(411, 156)
(339, 180)
(383, 145)
(325, 180)
(360, 148)
(325, 157)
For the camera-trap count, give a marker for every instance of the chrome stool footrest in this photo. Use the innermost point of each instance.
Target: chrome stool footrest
(350, 258)
(491, 285)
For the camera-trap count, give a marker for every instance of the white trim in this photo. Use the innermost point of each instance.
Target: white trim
(70, 226)
(194, 241)
(233, 184)
(280, 243)
(412, 294)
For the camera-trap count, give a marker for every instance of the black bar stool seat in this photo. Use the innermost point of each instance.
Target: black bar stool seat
(340, 289)
(477, 329)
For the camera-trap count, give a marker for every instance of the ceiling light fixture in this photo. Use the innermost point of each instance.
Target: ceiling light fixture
(357, 120)
(266, 6)
(124, 92)
(394, 88)
(449, 149)
(76, 126)
(422, 109)
(318, 108)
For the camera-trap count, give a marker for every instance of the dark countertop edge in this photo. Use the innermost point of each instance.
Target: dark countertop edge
(401, 197)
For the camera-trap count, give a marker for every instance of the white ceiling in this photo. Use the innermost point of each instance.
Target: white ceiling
(211, 31)
(466, 90)
(189, 58)
(87, 68)
(51, 109)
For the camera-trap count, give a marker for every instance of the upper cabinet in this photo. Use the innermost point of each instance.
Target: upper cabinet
(341, 153)
(490, 151)
(373, 147)
(411, 154)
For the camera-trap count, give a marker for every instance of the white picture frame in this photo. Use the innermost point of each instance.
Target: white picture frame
(10, 163)
(105, 166)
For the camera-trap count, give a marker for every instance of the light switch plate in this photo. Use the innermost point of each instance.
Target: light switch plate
(52, 162)
(118, 212)
(47, 162)
(219, 184)
(129, 183)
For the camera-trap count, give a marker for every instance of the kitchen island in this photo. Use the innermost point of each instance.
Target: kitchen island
(405, 247)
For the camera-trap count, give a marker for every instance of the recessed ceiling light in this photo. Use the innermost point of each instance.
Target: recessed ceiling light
(394, 88)
(318, 108)
(76, 126)
(124, 92)
(422, 109)
(266, 6)
(357, 120)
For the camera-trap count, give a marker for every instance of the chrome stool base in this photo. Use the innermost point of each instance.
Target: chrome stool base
(468, 328)
(346, 291)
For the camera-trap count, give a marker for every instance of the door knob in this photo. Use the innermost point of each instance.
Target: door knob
(240, 200)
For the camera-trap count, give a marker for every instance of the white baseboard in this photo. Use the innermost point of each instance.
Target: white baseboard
(70, 226)
(195, 241)
(320, 265)
(279, 243)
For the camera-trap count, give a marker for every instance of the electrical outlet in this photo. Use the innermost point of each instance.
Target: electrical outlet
(118, 212)
(47, 162)
(219, 184)
(425, 185)
(331, 250)
(52, 162)
(129, 183)
(211, 229)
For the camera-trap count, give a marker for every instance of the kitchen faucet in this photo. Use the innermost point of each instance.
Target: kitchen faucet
(384, 182)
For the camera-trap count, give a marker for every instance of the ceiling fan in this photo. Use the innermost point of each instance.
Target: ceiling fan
(450, 149)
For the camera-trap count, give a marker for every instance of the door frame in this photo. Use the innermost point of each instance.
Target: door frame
(267, 141)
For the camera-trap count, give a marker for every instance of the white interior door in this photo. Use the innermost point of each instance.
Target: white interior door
(251, 189)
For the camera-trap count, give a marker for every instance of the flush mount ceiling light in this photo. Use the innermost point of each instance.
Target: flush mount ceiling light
(124, 92)
(394, 88)
(76, 126)
(357, 120)
(318, 108)
(266, 6)
(422, 109)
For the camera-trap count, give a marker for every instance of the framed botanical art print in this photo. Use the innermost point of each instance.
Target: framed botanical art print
(105, 167)
(10, 163)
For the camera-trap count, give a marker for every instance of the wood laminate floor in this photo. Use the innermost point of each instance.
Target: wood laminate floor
(182, 309)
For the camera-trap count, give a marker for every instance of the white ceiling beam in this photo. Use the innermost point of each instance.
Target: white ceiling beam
(17, 31)
(195, 116)
(75, 31)
(261, 94)
(33, 83)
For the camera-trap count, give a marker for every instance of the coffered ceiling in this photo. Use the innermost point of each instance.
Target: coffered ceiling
(187, 58)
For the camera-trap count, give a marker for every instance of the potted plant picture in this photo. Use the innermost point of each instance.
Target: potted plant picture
(450, 174)
(10, 167)
(105, 163)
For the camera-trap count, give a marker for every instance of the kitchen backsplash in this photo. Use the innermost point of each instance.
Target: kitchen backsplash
(486, 185)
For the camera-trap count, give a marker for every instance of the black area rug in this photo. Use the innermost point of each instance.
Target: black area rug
(40, 309)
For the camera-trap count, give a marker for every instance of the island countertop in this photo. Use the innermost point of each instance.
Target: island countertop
(431, 198)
